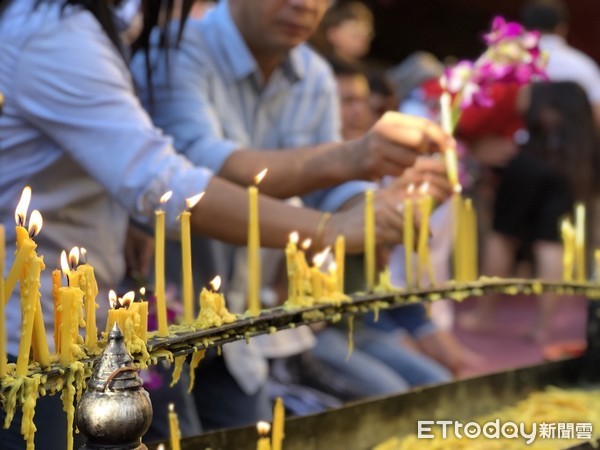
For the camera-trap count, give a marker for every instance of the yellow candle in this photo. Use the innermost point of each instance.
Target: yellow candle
(568, 238)
(25, 245)
(141, 309)
(340, 257)
(425, 205)
(89, 286)
(292, 267)
(3, 360)
(159, 268)
(471, 240)
(369, 241)
(408, 228)
(175, 434)
(186, 260)
(253, 250)
(30, 289)
(580, 270)
(278, 433)
(263, 442)
(316, 276)
(56, 285)
(597, 268)
(447, 125)
(70, 298)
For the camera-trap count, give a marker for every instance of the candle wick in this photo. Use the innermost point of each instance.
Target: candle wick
(68, 280)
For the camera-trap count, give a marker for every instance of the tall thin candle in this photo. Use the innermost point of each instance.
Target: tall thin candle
(186, 260)
(408, 233)
(369, 241)
(253, 250)
(580, 270)
(159, 267)
(3, 360)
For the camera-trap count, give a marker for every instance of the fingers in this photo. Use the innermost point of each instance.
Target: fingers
(415, 132)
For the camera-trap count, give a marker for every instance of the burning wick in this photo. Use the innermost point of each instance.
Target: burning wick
(22, 206)
(215, 284)
(142, 297)
(263, 428)
(83, 255)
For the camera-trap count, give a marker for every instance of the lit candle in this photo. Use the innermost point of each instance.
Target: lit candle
(303, 272)
(3, 357)
(278, 434)
(369, 241)
(140, 307)
(340, 257)
(186, 259)
(263, 442)
(316, 276)
(253, 255)
(159, 267)
(448, 126)
(425, 205)
(89, 286)
(292, 267)
(568, 238)
(580, 271)
(175, 434)
(123, 313)
(25, 246)
(70, 302)
(408, 228)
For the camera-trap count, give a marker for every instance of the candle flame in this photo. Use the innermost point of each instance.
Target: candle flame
(332, 267)
(411, 188)
(215, 284)
(64, 263)
(294, 237)
(263, 428)
(320, 257)
(142, 291)
(306, 244)
(128, 299)
(82, 255)
(160, 447)
(424, 188)
(193, 201)
(112, 299)
(22, 206)
(260, 176)
(74, 258)
(35, 223)
(171, 407)
(165, 197)
(457, 189)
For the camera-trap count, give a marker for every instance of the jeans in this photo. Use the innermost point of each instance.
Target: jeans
(379, 365)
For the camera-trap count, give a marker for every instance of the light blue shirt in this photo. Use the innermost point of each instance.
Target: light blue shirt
(75, 132)
(213, 99)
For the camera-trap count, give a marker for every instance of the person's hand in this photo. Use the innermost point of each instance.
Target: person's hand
(350, 222)
(426, 169)
(393, 144)
(139, 249)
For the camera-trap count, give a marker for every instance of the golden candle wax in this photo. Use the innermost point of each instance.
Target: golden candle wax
(369, 240)
(174, 433)
(263, 442)
(159, 268)
(253, 250)
(471, 240)
(408, 233)
(31, 284)
(340, 259)
(278, 433)
(70, 298)
(3, 355)
(317, 278)
(56, 285)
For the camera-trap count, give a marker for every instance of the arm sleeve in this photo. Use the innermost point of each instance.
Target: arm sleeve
(74, 86)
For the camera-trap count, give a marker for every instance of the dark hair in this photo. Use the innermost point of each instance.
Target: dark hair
(544, 15)
(562, 133)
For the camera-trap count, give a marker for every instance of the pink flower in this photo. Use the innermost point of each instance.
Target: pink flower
(502, 30)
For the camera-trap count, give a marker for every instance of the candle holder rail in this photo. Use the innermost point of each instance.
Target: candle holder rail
(185, 340)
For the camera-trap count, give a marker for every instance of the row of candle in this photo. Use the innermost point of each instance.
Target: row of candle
(308, 285)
